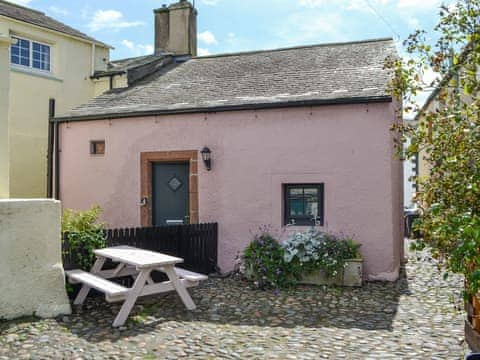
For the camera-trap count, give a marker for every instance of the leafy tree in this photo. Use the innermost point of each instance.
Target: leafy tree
(447, 136)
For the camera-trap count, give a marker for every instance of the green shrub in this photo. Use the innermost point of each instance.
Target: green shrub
(84, 233)
(264, 263)
(313, 250)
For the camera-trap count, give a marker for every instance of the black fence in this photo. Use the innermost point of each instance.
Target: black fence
(197, 244)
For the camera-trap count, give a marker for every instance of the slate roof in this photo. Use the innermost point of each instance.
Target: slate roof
(122, 66)
(126, 64)
(38, 18)
(320, 74)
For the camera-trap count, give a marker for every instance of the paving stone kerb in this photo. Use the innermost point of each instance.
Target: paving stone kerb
(31, 276)
(418, 317)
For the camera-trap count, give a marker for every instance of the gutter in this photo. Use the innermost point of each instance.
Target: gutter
(110, 75)
(107, 73)
(226, 108)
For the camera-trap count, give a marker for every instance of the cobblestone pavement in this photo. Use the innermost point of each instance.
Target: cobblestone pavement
(418, 317)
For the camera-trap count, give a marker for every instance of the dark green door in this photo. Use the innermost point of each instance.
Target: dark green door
(170, 194)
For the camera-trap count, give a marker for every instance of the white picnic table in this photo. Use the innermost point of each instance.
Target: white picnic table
(139, 264)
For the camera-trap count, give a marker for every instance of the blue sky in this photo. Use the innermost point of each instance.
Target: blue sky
(238, 25)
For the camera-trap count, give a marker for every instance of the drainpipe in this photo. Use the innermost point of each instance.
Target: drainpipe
(50, 155)
(92, 70)
(57, 161)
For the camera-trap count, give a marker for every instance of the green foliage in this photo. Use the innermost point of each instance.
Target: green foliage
(313, 250)
(264, 264)
(447, 137)
(269, 264)
(84, 233)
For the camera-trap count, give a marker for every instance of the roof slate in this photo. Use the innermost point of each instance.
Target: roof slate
(340, 72)
(38, 18)
(126, 64)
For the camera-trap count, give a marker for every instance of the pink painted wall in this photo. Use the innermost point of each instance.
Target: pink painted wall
(347, 147)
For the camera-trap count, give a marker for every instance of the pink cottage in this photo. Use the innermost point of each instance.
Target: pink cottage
(295, 136)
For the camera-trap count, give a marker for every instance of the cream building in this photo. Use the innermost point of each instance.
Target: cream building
(40, 59)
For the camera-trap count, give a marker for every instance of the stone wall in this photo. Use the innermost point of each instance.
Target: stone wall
(32, 280)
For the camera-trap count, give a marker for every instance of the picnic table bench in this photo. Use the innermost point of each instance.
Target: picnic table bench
(139, 264)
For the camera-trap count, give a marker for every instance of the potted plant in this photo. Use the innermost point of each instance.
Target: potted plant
(325, 259)
(263, 263)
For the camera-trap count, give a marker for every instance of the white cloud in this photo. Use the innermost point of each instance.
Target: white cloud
(129, 44)
(58, 11)
(207, 37)
(138, 49)
(415, 4)
(413, 22)
(203, 52)
(147, 49)
(110, 19)
(21, 2)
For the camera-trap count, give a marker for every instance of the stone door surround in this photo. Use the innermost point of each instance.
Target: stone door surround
(147, 159)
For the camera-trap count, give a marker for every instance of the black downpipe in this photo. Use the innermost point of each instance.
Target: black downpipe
(57, 161)
(51, 115)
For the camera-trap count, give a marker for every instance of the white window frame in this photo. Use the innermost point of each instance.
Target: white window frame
(30, 58)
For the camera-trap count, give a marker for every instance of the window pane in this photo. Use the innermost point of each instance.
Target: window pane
(46, 65)
(21, 54)
(296, 191)
(311, 191)
(296, 207)
(41, 56)
(312, 209)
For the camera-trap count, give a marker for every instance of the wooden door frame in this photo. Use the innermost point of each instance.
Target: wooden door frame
(147, 159)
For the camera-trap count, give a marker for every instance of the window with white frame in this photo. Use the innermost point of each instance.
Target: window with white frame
(30, 54)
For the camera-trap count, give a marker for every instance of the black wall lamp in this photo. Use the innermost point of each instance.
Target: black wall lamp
(207, 157)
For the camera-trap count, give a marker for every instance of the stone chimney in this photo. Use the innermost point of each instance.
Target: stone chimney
(176, 29)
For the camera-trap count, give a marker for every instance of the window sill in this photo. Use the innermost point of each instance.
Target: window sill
(33, 72)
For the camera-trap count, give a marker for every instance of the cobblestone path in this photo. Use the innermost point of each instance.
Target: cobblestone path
(418, 317)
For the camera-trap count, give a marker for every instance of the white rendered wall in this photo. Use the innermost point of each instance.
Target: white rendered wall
(32, 280)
